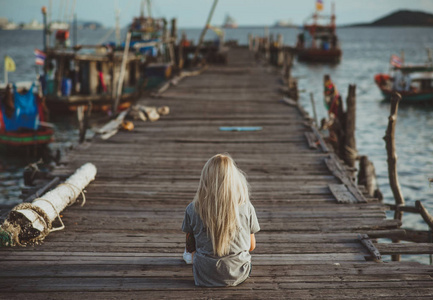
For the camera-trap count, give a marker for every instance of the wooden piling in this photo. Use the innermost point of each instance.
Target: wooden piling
(350, 152)
(392, 161)
(392, 155)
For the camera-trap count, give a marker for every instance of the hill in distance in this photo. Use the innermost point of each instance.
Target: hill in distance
(402, 18)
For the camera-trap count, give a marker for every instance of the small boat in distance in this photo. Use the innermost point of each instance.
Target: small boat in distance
(413, 82)
(229, 22)
(319, 42)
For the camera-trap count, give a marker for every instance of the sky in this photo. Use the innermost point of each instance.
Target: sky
(193, 13)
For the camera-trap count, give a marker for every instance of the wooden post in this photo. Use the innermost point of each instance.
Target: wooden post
(313, 104)
(172, 42)
(280, 53)
(83, 120)
(392, 161)
(122, 74)
(250, 42)
(429, 220)
(256, 44)
(350, 152)
(367, 177)
(424, 214)
(392, 156)
(285, 65)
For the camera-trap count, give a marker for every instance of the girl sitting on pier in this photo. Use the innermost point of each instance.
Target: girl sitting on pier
(220, 224)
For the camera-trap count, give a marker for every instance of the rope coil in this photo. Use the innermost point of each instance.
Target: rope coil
(58, 216)
(74, 189)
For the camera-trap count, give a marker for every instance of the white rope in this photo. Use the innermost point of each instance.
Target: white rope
(58, 216)
(74, 188)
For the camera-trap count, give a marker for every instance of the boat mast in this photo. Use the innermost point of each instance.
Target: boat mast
(149, 9)
(333, 15)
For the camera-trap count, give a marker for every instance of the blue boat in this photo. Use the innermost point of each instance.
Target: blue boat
(413, 82)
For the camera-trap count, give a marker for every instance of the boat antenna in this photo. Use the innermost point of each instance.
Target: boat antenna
(333, 14)
(60, 11)
(71, 17)
(50, 5)
(142, 9)
(149, 9)
(65, 16)
(429, 55)
(117, 25)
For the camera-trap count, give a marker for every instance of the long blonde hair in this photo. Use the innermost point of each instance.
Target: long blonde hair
(222, 188)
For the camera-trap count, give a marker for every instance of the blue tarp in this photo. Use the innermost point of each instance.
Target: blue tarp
(26, 114)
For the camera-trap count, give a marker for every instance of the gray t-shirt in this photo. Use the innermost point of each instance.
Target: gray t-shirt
(232, 269)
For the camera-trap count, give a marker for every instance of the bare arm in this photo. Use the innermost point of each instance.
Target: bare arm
(190, 244)
(253, 242)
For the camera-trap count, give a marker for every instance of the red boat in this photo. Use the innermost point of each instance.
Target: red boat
(319, 42)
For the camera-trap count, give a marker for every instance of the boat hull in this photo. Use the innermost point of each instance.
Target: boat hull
(409, 96)
(26, 138)
(319, 55)
(383, 83)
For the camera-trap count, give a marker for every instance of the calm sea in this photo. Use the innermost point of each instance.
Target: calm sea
(366, 51)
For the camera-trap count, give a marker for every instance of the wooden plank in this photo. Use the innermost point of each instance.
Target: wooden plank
(311, 139)
(341, 193)
(405, 248)
(336, 169)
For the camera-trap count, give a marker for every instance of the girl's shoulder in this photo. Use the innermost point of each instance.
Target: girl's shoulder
(190, 209)
(246, 206)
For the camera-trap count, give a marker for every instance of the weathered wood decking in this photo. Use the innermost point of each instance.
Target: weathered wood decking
(126, 241)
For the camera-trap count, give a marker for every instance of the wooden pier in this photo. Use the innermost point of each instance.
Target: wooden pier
(126, 242)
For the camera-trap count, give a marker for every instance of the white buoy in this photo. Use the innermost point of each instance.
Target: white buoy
(33, 222)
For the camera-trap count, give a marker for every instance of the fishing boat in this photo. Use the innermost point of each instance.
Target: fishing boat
(150, 40)
(413, 82)
(106, 75)
(229, 22)
(318, 42)
(23, 119)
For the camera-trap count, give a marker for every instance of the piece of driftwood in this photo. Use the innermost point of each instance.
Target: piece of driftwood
(112, 127)
(341, 193)
(32, 222)
(424, 214)
(338, 171)
(365, 240)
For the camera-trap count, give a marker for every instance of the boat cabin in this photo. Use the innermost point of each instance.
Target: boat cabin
(77, 76)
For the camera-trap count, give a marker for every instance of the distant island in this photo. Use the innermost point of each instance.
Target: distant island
(401, 18)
